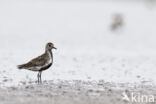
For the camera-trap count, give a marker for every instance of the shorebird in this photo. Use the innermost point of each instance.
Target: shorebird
(118, 22)
(40, 63)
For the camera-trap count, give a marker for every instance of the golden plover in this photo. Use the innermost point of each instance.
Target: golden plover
(40, 63)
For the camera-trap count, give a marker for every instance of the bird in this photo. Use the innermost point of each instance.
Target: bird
(118, 22)
(40, 63)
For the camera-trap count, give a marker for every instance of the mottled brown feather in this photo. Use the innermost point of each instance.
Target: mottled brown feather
(42, 62)
(39, 61)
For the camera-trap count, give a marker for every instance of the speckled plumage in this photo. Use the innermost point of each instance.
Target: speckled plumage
(40, 63)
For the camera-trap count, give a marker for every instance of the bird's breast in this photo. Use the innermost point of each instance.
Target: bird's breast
(46, 66)
(50, 57)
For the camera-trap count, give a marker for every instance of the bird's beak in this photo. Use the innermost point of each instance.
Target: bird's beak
(54, 47)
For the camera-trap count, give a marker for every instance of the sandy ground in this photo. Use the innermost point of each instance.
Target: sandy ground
(104, 82)
(92, 65)
(73, 92)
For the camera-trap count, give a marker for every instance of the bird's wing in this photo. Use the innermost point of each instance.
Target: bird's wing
(39, 61)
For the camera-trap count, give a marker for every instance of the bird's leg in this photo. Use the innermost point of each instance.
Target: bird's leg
(38, 75)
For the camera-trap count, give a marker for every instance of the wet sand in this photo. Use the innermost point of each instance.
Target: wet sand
(72, 92)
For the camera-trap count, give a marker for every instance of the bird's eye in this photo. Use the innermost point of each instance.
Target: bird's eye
(49, 45)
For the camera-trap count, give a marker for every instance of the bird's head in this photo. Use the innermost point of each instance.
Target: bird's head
(50, 46)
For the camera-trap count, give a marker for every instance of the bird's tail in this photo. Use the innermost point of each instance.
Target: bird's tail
(20, 66)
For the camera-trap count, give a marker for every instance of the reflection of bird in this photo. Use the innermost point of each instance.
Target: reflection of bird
(40, 63)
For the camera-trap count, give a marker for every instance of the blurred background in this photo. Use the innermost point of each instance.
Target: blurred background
(95, 25)
(91, 36)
